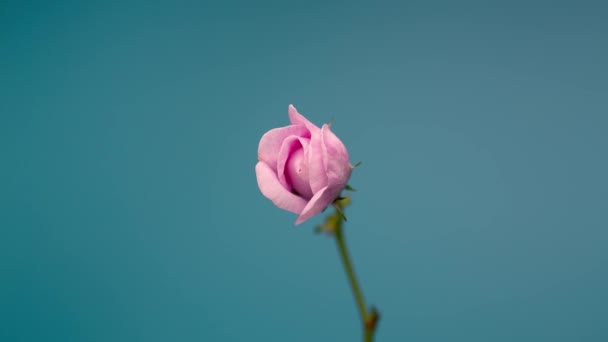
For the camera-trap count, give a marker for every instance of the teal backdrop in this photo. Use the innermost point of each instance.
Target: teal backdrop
(129, 209)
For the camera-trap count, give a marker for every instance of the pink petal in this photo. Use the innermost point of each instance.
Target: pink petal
(299, 119)
(335, 158)
(273, 190)
(314, 152)
(270, 144)
(289, 146)
(319, 202)
(316, 167)
(296, 172)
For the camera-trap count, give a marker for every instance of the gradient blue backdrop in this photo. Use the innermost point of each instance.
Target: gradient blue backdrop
(129, 209)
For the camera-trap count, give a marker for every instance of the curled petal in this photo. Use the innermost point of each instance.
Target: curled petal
(316, 163)
(299, 119)
(319, 202)
(271, 142)
(273, 190)
(335, 158)
(296, 173)
(289, 146)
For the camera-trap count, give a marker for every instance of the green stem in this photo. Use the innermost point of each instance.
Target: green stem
(368, 335)
(368, 319)
(350, 272)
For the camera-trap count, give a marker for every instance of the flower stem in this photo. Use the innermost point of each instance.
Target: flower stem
(350, 272)
(368, 319)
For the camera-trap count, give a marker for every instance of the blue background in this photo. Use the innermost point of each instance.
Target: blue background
(129, 209)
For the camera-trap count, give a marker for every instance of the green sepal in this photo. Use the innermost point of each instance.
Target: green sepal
(339, 210)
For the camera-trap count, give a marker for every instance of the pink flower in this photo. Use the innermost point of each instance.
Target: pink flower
(302, 168)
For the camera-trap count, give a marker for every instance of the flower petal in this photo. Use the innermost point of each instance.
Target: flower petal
(290, 145)
(316, 167)
(296, 172)
(319, 202)
(271, 142)
(273, 190)
(299, 119)
(335, 158)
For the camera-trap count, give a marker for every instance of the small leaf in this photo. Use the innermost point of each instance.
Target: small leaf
(349, 188)
(343, 202)
(357, 164)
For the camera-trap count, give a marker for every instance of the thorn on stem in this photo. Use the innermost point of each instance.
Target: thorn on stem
(372, 321)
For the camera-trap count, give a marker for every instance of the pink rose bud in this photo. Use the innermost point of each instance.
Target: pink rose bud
(302, 168)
